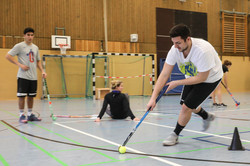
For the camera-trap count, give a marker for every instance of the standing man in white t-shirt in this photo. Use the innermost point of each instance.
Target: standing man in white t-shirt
(28, 61)
(198, 60)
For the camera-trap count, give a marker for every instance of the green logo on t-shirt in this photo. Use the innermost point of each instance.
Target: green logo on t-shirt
(188, 69)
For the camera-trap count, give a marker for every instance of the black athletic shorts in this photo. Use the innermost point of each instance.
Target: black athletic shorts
(194, 95)
(26, 87)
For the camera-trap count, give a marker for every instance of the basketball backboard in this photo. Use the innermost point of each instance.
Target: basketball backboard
(56, 40)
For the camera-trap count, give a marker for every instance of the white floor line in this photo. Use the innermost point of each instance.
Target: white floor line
(232, 110)
(76, 121)
(113, 143)
(199, 132)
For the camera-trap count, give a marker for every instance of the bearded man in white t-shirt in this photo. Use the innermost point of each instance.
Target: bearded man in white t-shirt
(198, 60)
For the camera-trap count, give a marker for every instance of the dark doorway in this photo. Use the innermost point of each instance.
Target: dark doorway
(167, 18)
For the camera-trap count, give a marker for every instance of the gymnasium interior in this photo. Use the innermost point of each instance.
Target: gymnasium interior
(84, 45)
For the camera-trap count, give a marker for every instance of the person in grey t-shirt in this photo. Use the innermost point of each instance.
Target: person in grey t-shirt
(28, 61)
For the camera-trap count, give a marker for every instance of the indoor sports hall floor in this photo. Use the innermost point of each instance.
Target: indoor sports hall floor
(82, 142)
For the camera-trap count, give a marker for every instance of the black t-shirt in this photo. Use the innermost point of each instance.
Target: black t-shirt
(119, 106)
(224, 68)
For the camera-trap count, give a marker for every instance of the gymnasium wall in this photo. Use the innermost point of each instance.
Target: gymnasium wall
(75, 74)
(237, 82)
(83, 21)
(238, 75)
(8, 72)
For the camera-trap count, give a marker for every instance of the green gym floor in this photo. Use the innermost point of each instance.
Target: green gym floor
(82, 142)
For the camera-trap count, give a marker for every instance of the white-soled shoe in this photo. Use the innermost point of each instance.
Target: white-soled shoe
(171, 140)
(206, 122)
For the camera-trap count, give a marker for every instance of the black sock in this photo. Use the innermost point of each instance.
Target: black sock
(203, 114)
(178, 128)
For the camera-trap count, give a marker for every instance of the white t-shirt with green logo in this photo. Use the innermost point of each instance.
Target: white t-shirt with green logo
(201, 58)
(28, 55)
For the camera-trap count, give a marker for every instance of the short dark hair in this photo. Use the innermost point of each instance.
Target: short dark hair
(181, 30)
(227, 63)
(28, 29)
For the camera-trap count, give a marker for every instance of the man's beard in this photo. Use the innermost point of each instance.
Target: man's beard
(184, 49)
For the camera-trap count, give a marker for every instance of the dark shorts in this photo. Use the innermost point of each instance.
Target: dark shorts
(26, 87)
(194, 95)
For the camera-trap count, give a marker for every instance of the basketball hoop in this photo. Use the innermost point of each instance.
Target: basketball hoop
(63, 48)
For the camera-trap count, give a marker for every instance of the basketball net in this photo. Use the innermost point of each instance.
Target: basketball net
(63, 48)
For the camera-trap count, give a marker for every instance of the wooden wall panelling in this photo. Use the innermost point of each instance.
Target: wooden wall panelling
(14, 19)
(93, 45)
(30, 14)
(189, 5)
(2, 41)
(248, 30)
(6, 18)
(43, 19)
(148, 22)
(74, 24)
(78, 44)
(131, 24)
(7, 41)
(83, 19)
(237, 5)
(127, 17)
(214, 24)
(114, 47)
(87, 24)
(134, 47)
(124, 47)
(126, 13)
(60, 12)
(93, 23)
(140, 20)
(99, 24)
(112, 24)
(87, 45)
(72, 20)
(2, 25)
(146, 47)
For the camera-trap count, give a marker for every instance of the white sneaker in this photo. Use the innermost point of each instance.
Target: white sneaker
(171, 140)
(206, 122)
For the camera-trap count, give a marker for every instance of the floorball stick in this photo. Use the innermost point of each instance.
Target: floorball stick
(49, 101)
(144, 116)
(75, 116)
(236, 102)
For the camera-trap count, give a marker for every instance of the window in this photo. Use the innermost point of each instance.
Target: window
(234, 33)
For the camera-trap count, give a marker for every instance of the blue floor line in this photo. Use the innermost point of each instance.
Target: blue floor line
(200, 139)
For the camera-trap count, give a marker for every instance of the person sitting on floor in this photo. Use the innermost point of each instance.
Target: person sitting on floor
(116, 104)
